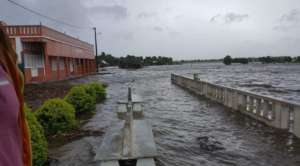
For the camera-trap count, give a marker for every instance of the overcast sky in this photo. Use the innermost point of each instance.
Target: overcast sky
(182, 29)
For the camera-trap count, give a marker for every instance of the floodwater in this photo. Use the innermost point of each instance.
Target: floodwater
(190, 130)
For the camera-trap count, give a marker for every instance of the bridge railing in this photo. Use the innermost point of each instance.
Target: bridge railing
(272, 111)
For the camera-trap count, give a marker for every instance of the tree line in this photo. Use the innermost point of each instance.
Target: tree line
(265, 60)
(131, 61)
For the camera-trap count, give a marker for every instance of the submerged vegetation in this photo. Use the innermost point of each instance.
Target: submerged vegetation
(227, 60)
(266, 59)
(131, 61)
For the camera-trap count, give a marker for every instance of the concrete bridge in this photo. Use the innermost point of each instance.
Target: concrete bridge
(272, 111)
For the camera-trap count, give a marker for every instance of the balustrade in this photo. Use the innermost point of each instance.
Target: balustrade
(272, 111)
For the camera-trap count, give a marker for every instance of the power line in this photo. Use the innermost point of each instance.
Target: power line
(47, 17)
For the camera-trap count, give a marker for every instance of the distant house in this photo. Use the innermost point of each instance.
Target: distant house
(46, 54)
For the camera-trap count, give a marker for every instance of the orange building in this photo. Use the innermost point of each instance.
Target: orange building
(46, 54)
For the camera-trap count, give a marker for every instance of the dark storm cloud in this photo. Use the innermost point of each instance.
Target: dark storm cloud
(115, 11)
(146, 15)
(229, 18)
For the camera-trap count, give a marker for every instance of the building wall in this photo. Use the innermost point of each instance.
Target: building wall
(58, 51)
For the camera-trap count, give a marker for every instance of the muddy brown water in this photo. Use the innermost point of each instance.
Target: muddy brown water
(190, 130)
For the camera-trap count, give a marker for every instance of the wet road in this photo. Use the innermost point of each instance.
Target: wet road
(193, 131)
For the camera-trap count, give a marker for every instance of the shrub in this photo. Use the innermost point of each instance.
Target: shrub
(81, 100)
(38, 140)
(96, 89)
(56, 115)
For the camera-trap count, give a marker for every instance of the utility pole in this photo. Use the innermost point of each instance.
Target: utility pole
(96, 49)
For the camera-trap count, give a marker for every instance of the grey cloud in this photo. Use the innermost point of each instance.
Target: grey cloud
(292, 16)
(124, 35)
(115, 11)
(179, 16)
(214, 18)
(283, 27)
(146, 15)
(229, 18)
(288, 21)
(158, 29)
(233, 17)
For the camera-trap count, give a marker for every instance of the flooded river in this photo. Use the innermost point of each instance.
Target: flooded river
(193, 131)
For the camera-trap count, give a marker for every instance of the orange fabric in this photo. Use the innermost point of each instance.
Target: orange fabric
(8, 59)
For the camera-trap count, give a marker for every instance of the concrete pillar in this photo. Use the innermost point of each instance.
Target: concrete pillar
(82, 66)
(67, 66)
(281, 115)
(47, 68)
(296, 125)
(276, 122)
(241, 101)
(285, 115)
(87, 66)
(248, 104)
(225, 102)
(201, 87)
(196, 77)
(230, 98)
(254, 105)
(235, 100)
(265, 108)
(204, 89)
(259, 107)
(57, 68)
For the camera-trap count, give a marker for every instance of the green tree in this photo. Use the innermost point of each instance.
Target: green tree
(297, 59)
(227, 60)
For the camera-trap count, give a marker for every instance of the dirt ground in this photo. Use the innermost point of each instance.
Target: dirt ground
(36, 94)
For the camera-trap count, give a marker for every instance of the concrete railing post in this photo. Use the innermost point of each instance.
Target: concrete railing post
(235, 101)
(265, 107)
(276, 115)
(254, 106)
(242, 102)
(281, 115)
(196, 76)
(259, 107)
(296, 126)
(201, 87)
(229, 98)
